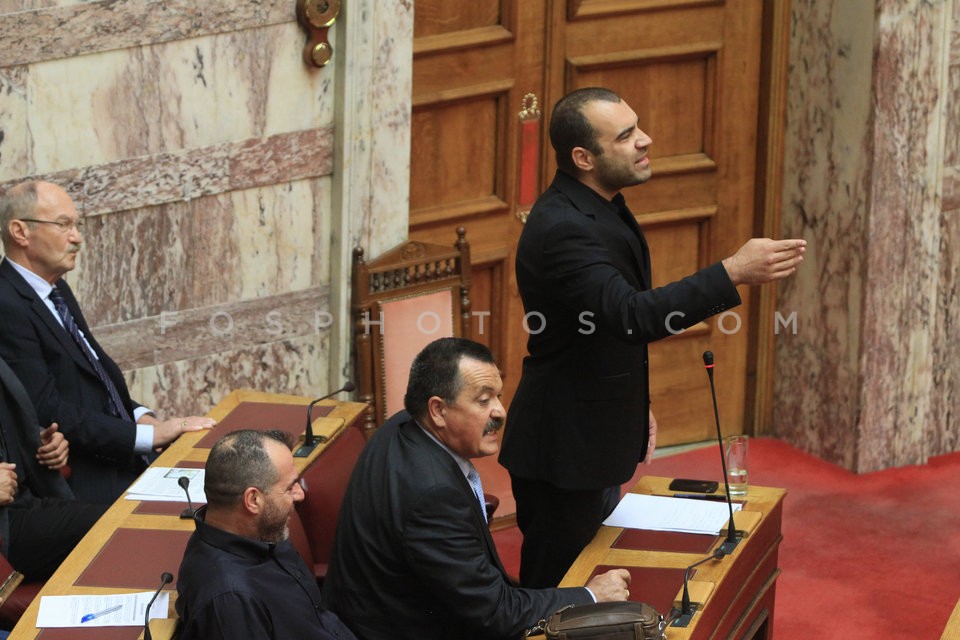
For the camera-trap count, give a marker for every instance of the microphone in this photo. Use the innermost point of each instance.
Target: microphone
(687, 608)
(165, 579)
(189, 512)
(310, 441)
(733, 536)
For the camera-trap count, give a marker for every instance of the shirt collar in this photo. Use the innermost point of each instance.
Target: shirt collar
(38, 284)
(584, 196)
(465, 465)
(230, 542)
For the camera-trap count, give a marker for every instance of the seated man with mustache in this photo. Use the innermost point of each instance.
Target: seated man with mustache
(413, 557)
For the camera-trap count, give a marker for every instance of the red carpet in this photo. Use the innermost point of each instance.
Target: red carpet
(863, 556)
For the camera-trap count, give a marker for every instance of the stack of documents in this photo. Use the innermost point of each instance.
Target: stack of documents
(162, 484)
(662, 513)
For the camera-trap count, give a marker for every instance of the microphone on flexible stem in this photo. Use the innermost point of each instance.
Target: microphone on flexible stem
(733, 536)
(310, 441)
(189, 512)
(687, 608)
(165, 579)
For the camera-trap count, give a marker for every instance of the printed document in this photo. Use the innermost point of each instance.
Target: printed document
(663, 513)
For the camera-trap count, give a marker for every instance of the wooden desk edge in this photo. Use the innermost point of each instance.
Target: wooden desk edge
(120, 514)
(759, 500)
(952, 630)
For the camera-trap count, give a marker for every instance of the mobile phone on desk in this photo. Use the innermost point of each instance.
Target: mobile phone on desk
(693, 486)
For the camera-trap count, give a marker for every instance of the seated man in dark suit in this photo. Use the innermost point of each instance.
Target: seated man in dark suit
(413, 557)
(240, 576)
(40, 523)
(46, 341)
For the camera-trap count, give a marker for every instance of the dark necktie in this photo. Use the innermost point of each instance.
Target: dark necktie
(71, 326)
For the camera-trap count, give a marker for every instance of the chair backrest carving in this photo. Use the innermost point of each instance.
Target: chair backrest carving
(402, 300)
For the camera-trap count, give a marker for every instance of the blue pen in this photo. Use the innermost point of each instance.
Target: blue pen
(91, 616)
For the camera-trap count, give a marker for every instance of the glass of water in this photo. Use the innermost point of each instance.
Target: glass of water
(735, 453)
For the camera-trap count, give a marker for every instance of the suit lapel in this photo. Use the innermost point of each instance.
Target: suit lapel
(461, 481)
(43, 314)
(618, 230)
(627, 250)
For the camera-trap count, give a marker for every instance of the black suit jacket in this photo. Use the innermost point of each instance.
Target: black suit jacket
(413, 557)
(579, 419)
(19, 441)
(64, 388)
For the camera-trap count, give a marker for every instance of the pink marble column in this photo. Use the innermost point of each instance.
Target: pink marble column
(865, 381)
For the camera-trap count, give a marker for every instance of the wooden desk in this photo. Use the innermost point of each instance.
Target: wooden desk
(737, 592)
(952, 630)
(126, 515)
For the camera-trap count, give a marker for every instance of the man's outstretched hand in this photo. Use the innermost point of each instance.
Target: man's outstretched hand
(764, 260)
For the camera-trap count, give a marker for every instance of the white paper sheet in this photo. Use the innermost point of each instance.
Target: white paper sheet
(662, 513)
(161, 483)
(115, 610)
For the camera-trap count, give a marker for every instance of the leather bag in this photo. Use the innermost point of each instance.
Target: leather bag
(606, 621)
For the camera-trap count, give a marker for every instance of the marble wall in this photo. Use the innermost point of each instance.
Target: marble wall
(226, 185)
(867, 381)
(224, 182)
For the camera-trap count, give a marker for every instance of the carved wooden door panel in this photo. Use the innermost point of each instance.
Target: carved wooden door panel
(474, 61)
(691, 71)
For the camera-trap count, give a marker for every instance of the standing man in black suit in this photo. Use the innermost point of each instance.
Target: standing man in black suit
(580, 420)
(47, 343)
(413, 557)
(40, 523)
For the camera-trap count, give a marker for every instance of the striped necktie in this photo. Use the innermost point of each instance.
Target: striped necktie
(474, 479)
(70, 325)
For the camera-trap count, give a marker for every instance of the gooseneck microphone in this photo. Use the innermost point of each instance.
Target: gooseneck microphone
(732, 534)
(687, 608)
(189, 512)
(165, 579)
(310, 441)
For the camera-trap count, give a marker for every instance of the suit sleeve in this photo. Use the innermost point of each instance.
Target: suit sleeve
(99, 434)
(575, 262)
(444, 544)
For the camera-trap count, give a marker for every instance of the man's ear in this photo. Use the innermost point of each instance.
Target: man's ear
(437, 410)
(252, 500)
(582, 158)
(17, 233)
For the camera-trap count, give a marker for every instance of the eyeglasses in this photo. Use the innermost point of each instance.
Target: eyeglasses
(63, 227)
(300, 482)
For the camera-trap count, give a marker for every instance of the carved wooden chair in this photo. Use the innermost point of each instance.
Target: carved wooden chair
(403, 300)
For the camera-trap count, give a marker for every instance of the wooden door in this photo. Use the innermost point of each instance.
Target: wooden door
(691, 71)
(474, 61)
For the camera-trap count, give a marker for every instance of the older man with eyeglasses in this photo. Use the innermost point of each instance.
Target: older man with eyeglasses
(48, 344)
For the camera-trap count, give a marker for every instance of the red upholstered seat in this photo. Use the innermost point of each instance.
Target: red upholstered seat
(324, 483)
(298, 537)
(14, 606)
(19, 599)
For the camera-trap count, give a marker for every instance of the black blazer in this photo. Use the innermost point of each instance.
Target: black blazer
(413, 557)
(19, 441)
(579, 419)
(64, 388)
